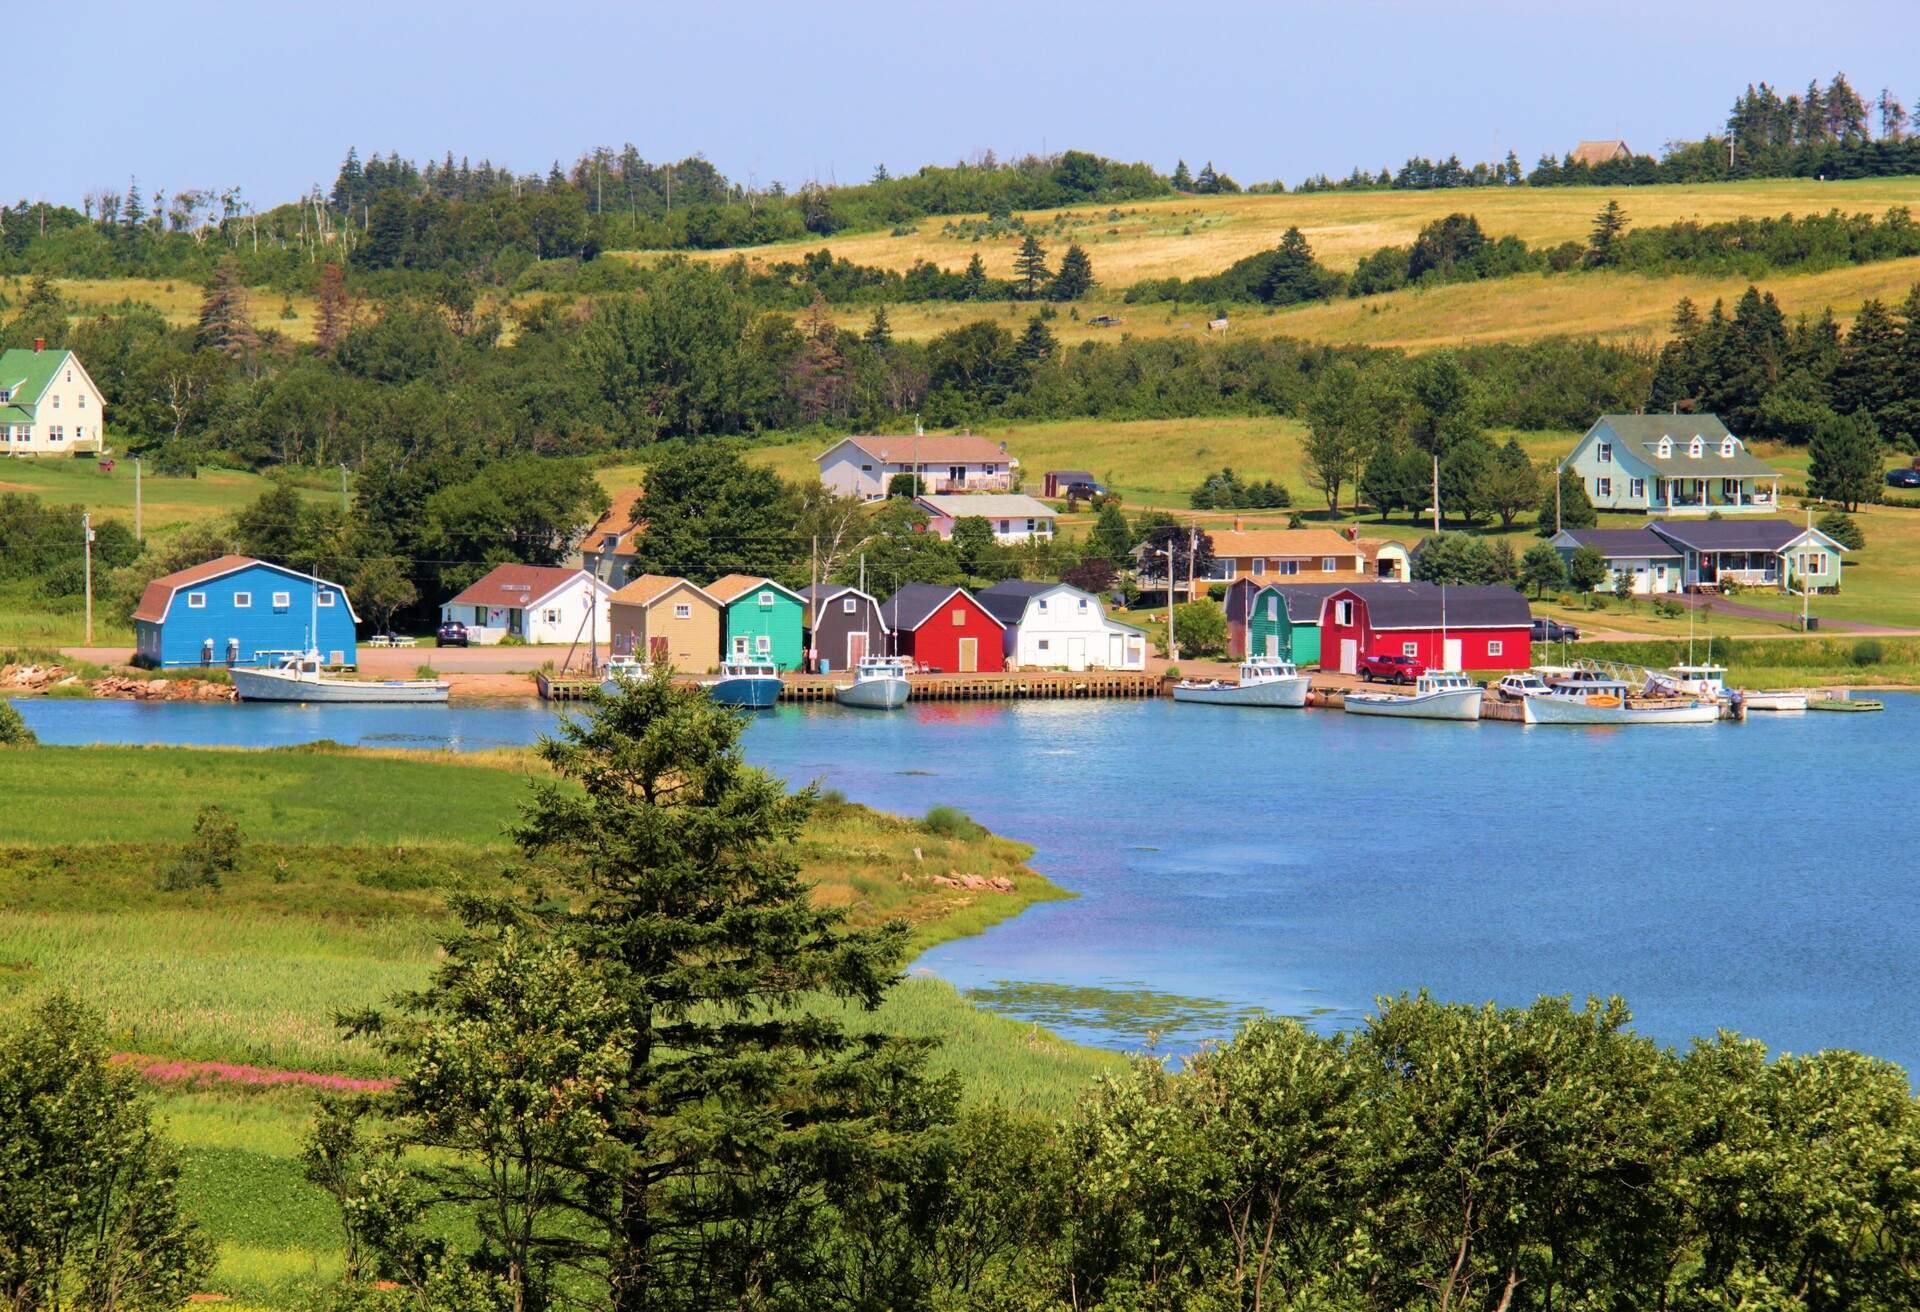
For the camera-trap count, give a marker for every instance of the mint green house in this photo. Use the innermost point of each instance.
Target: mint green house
(1284, 621)
(760, 619)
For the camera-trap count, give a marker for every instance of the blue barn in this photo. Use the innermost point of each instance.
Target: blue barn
(228, 611)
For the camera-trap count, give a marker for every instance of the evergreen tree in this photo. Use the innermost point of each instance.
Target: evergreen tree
(973, 283)
(879, 334)
(1542, 569)
(225, 323)
(1845, 464)
(1867, 376)
(334, 314)
(1208, 182)
(349, 188)
(1111, 538)
(1075, 278)
(1182, 179)
(1292, 275)
(1512, 484)
(880, 173)
(1034, 348)
(1608, 225)
(1030, 272)
(1575, 509)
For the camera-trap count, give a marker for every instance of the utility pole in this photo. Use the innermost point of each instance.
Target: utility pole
(1556, 496)
(1173, 645)
(137, 535)
(1193, 565)
(1436, 489)
(86, 529)
(813, 610)
(344, 506)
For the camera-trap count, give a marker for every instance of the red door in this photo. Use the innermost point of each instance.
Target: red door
(657, 650)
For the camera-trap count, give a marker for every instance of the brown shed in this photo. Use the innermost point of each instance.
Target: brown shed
(659, 618)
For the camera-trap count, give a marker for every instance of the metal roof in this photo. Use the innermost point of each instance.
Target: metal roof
(1737, 534)
(987, 505)
(1619, 543)
(916, 603)
(1425, 605)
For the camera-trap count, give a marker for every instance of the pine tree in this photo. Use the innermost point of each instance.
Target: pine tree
(880, 173)
(1893, 116)
(1867, 376)
(133, 210)
(1075, 278)
(349, 188)
(225, 324)
(333, 317)
(1208, 182)
(1608, 225)
(1034, 349)
(879, 334)
(1575, 508)
(1182, 179)
(973, 283)
(1845, 463)
(1030, 272)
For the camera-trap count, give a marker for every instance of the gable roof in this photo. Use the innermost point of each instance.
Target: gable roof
(1296, 542)
(1071, 476)
(518, 586)
(1618, 543)
(928, 449)
(1640, 436)
(1419, 606)
(916, 603)
(1007, 600)
(1738, 534)
(1304, 600)
(729, 588)
(622, 521)
(26, 373)
(646, 589)
(158, 597)
(987, 505)
(1599, 152)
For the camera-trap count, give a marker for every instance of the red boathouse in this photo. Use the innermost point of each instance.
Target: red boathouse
(1486, 628)
(944, 628)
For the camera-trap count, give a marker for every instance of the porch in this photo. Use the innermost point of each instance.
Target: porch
(1748, 569)
(1704, 496)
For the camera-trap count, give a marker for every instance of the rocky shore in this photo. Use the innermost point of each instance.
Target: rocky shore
(16, 679)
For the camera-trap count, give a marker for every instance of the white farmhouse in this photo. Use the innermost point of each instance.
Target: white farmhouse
(863, 466)
(49, 405)
(1058, 626)
(533, 603)
(1013, 516)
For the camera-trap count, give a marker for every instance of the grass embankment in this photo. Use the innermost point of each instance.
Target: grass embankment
(338, 897)
(1777, 662)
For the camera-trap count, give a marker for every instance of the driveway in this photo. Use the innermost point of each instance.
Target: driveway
(1722, 606)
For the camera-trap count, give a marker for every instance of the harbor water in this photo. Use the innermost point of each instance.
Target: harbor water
(1759, 877)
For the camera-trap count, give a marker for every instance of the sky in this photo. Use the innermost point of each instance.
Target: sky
(269, 95)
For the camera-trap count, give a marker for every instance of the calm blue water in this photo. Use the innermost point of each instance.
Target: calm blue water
(1758, 877)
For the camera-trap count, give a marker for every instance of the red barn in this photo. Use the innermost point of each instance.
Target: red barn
(944, 628)
(1486, 628)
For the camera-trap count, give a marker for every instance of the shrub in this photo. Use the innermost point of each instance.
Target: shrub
(1217, 591)
(952, 822)
(1668, 607)
(13, 727)
(1867, 651)
(212, 852)
(1842, 528)
(1200, 627)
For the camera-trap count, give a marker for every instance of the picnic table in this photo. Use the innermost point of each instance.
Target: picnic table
(389, 640)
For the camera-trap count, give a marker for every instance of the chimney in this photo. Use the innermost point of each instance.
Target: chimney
(1353, 532)
(39, 345)
(1236, 523)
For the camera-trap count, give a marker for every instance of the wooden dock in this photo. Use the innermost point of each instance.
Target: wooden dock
(565, 687)
(998, 686)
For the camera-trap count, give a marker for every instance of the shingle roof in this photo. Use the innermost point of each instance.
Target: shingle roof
(622, 520)
(1295, 542)
(1007, 601)
(649, 588)
(1418, 606)
(1621, 543)
(159, 593)
(730, 587)
(516, 586)
(915, 603)
(987, 505)
(1642, 433)
(929, 449)
(26, 373)
(1304, 599)
(1599, 152)
(1735, 534)
(1071, 476)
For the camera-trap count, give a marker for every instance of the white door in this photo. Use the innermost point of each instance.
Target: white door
(1349, 656)
(1452, 653)
(1273, 646)
(1076, 653)
(1116, 652)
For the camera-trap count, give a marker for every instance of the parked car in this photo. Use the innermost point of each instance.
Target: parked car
(1390, 669)
(1903, 478)
(1545, 630)
(1083, 491)
(451, 634)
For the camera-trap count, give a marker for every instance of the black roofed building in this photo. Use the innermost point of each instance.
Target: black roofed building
(1753, 553)
(1654, 562)
(1463, 628)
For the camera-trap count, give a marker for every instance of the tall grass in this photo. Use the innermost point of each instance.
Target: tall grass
(1776, 662)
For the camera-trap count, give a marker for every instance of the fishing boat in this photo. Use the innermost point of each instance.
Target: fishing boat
(1519, 687)
(1436, 695)
(747, 682)
(1264, 681)
(1783, 700)
(879, 684)
(618, 668)
(1586, 696)
(1840, 701)
(1708, 680)
(297, 676)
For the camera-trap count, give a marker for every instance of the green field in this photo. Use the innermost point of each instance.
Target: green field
(335, 904)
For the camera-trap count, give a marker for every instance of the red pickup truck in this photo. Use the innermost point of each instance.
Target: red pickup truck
(1390, 669)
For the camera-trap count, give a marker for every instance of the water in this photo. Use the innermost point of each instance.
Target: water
(1756, 877)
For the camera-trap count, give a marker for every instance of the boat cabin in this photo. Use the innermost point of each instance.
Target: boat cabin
(1442, 681)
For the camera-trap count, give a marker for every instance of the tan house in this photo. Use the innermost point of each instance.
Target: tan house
(49, 405)
(1594, 153)
(607, 550)
(658, 618)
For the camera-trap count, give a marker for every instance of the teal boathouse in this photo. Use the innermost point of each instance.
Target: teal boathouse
(762, 620)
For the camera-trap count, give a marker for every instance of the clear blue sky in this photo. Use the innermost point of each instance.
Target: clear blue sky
(269, 95)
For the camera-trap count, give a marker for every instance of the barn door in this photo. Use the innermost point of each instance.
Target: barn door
(856, 649)
(1076, 653)
(1349, 656)
(969, 655)
(1116, 651)
(1451, 653)
(1273, 646)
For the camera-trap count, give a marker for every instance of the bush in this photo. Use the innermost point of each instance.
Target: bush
(1200, 627)
(952, 822)
(1668, 607)
(1867, 651)
(1842, 528)
(13, 727)
(212, 852)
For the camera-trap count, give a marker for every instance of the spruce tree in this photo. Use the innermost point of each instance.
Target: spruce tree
(973, 283)
(1030, 272)
(879, 334)
(1075, 278)
(1608, 225)
(1034, 349)
(1182, 178)
(1575, 509)
(225, 324)
(1845, 463)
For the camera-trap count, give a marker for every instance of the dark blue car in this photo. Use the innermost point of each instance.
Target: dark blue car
(1903, 478)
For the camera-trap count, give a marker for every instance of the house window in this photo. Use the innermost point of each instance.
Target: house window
(1328, 564)
(196, 601)
(1081, 605)
(683, 610)
(1273, 608)
(1606, 453)
(1495, 647)
(243, 601)
(1666, 447)
(551, 615)
(1041, 605)
(1003, 526)
(866, 469)
(766, 601)
(1042, 644)
(959, 617)
(56, 400)
(1729, 488)
(1259, 568)
(56, 433)
(1287, 566)
(1637, 487)
(1695, 447)
(1033, 525)
(1726, 446)
(282, 600)
(1603, 487)
(846, 606)
(1409, 649)
(1343, 612)
(762, 643)
(83, 401)
(326, 599)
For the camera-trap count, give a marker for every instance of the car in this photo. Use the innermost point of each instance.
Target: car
(1903, 478)
(1390, 669)
(1545, 630)
(451, 634)
(1083, 491)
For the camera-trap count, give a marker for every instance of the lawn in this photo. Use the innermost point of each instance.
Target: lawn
(336, 902)
(166, 501)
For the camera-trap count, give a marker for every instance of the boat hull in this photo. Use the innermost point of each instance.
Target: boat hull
(1573, 710)
(1453, 704)
(1775, 701)
(1290, 693)
(272, 686)
(874, 694)
(754, 692)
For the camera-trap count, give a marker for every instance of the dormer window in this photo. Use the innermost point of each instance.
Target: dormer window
(1606, 453)
(1695, 447)
(5, 396)
(1726, 447)
(1666, 447)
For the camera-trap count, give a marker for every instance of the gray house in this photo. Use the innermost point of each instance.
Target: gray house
(1654, 562)
(1703, 555)
(843, 626)
(1672, 465)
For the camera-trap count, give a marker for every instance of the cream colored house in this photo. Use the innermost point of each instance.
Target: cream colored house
(658, 618)
(49, 405)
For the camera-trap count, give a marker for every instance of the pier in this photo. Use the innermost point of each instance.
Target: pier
(1052, 685)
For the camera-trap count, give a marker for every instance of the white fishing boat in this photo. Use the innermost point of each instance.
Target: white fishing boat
(1264, 681)
(747, 682)
(618, 668)
(1783, 700)
(879, 684)
(297, 676)
(1586, 696)
(1708, 680)
(1436, 695)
